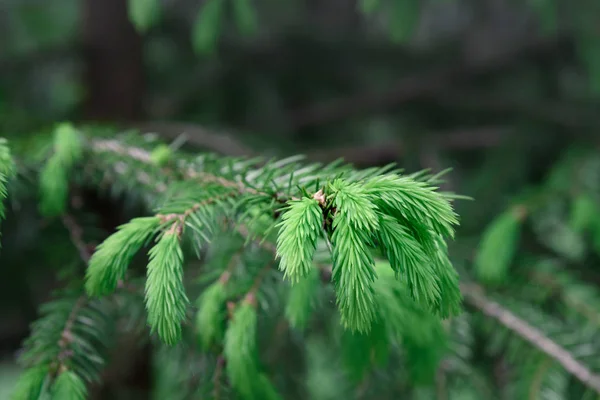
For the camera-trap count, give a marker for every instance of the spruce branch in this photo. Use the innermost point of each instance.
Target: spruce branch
(166, 300)
(476, 297)
(499, 245)
(189, 172)
(578, 296)
(241, 353)
(209, 318)
(53, 365)
(68, 342)
(109, 263)
(7, 171)
(276, 194)
(353, 269)
(55, 175)
(301, 225)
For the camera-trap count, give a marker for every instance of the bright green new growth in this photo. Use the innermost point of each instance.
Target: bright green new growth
(109, 262)
(329, 220)
(241, 353)
(143, 13)
(166, 300)
(403, 218)
(68, 386)
(54, 177)
(498, 247)
(353, 264)
(409, 261)
(161, 155)
(300, 227)
(30, 383)
(450, 300)
(585, 213)
(209, 318)
(7, 171)
(301, 300)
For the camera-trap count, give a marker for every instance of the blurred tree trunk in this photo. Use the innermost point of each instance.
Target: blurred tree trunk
(114, 80)
(114, 75)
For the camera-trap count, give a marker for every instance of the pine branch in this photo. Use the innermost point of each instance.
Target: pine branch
(412, 202)
(474, 295)
(8, 171)
(319, 212)
(139, 154)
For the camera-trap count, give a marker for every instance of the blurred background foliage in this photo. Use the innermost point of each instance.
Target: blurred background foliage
(505, 92)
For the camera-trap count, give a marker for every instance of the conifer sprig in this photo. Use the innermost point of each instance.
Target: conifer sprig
(166, 300)
(353, 270)
(241, 353)
(209, 318)
(66, 348)
(350, 208)
(109, 262)
(301, 224)
(55, 175)
(498, 246)
(359, 213)
(7, 172)
(532, 335)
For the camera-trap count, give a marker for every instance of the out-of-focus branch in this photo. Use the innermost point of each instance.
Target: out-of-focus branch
(463, 139)
(225, 143)
(418, 86)
(198, 136)
(475, 296)
(566, 114)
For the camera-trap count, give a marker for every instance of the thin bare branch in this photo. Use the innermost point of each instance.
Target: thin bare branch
(475, 296)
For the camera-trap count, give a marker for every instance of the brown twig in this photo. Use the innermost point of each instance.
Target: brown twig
(141, 155)
(66, 336)
(76, 233)
(217, 377)
(198, 136)
(475, 296)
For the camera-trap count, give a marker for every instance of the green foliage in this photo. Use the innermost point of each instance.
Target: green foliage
(544, 322)
(584, 213)
(54, 177)
(409, 261)
(241, 353)
(7, 172)
(166, 300)
(245, 17)
(210, 316)
(69, 386)
(109, 262)
(368, 6)
(207, 26)
(498, 247)
(30, 383)
(143, 13)
(317, 220)
(353, 263)
(161, 155)
(301, 225)
(326, 378)
(67, 348)
(547, 12)
(301, 300)
(404, 17)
